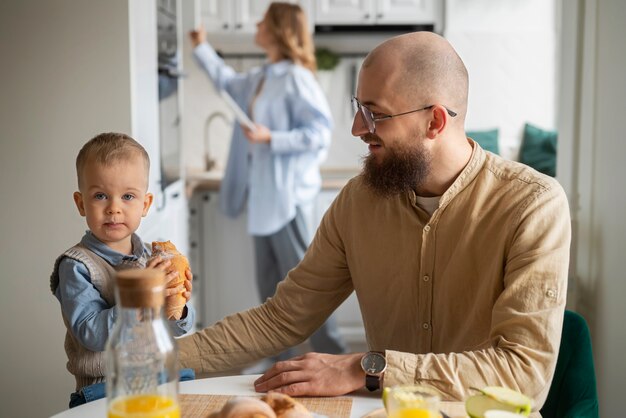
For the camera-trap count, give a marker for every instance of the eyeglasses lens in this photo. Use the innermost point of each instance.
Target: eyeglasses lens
(366, 114)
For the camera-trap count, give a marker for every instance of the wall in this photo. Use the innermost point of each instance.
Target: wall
(509, 48)
(598, 201)
(65, 77)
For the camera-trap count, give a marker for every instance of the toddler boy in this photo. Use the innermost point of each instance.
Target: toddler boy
(112, 171)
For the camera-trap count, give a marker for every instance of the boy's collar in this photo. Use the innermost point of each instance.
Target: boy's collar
(90, 241)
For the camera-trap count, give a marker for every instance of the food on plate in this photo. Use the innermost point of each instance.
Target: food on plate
(285, 406)
(272, 405)
(497, 398)
(244, 407)
(167, 251)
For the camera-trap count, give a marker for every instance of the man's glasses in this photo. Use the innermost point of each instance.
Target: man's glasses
(370, 120)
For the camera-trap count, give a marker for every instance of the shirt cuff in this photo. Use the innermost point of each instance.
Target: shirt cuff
(401, 368)
(281, 142)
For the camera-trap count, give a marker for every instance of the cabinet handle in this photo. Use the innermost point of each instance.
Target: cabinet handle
(379, 15)
(238, 26)
(366, 16)
(225, 26)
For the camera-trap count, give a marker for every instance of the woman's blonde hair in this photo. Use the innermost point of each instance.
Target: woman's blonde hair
(288, 25)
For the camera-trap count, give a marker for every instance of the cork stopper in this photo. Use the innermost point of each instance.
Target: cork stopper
(141, 288)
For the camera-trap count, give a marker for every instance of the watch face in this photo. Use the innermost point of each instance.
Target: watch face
(373, 363)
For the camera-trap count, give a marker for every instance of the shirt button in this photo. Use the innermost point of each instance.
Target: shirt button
(425, 325)
(427, 228)
(426, 278)
(551, 293)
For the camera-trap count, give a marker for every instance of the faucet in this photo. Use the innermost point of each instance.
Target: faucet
(209, 161)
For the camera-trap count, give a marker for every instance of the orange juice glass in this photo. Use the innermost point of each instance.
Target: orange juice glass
(412, 401)
(144, 406)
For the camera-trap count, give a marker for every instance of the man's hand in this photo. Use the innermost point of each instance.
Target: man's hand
(314, 374)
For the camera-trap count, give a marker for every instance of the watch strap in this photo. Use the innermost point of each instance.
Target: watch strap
(372, 382)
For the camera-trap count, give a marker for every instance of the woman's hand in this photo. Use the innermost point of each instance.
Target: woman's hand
(261, 135)
(197, 36)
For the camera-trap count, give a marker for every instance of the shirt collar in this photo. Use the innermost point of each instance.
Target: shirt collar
(468, 174)
(275, 69)
(113, 257)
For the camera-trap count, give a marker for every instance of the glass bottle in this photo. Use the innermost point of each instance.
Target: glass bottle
(141, 369)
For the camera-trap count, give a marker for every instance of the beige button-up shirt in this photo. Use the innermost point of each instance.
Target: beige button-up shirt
(471, 296)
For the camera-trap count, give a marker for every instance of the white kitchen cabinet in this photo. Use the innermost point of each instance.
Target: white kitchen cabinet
(235, 16)
(223, 261)
(379, 12)
(222, 257)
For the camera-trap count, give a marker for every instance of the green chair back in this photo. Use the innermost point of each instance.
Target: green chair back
(573, 391)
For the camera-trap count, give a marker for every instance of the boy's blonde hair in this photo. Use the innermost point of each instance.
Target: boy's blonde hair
(108, 148)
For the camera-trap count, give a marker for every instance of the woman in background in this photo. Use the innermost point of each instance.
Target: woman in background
(275, 167)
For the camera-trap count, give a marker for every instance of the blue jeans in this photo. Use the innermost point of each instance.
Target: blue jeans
(98, 390)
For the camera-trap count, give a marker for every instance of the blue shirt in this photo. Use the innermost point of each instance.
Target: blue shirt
(274, 177)
(89, 315)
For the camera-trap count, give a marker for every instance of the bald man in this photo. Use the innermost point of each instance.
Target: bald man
(458, 257)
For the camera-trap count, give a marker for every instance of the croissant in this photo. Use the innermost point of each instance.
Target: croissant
(244, 407)
(167, 251)
(272, 405)
(285, 406)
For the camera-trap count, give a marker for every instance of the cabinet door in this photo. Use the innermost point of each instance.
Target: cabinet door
(226, 260)
(175, 217)
(412, 12)
(217, 15)
(248, 13)
(344, 12)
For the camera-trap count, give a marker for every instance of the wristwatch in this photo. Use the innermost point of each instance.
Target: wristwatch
(373, 364)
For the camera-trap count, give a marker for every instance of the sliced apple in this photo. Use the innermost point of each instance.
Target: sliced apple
(502, 414)
(497, 398)
(509, 397)
(477, 405)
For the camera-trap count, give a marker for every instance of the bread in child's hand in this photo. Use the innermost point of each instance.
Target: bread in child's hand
(167, 251)
(272, 405)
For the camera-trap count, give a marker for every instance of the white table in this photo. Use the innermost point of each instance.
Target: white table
(362, 401)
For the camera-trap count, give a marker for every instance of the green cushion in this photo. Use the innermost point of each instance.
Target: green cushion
(573, 390)
(538, 149)
(488, 140)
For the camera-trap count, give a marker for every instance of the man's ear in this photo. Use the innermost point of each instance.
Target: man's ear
(78, 199)
(147, 202)
(438, 121)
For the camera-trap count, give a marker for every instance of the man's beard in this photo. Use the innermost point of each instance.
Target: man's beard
(402, 169)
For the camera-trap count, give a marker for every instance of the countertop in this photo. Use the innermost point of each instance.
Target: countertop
(202, 180)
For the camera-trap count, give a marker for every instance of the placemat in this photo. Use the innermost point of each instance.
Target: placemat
(201, 406)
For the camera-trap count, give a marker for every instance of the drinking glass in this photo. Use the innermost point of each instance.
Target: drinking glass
(413, 401)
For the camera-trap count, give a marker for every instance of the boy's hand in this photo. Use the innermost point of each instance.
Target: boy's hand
(159, 263)
(172, 294)
(188, 285)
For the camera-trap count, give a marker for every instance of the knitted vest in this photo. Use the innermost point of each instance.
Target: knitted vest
(88, 366)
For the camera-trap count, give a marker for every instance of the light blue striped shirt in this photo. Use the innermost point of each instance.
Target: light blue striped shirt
(277, 177)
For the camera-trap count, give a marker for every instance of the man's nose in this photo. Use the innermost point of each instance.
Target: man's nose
(359, 128)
